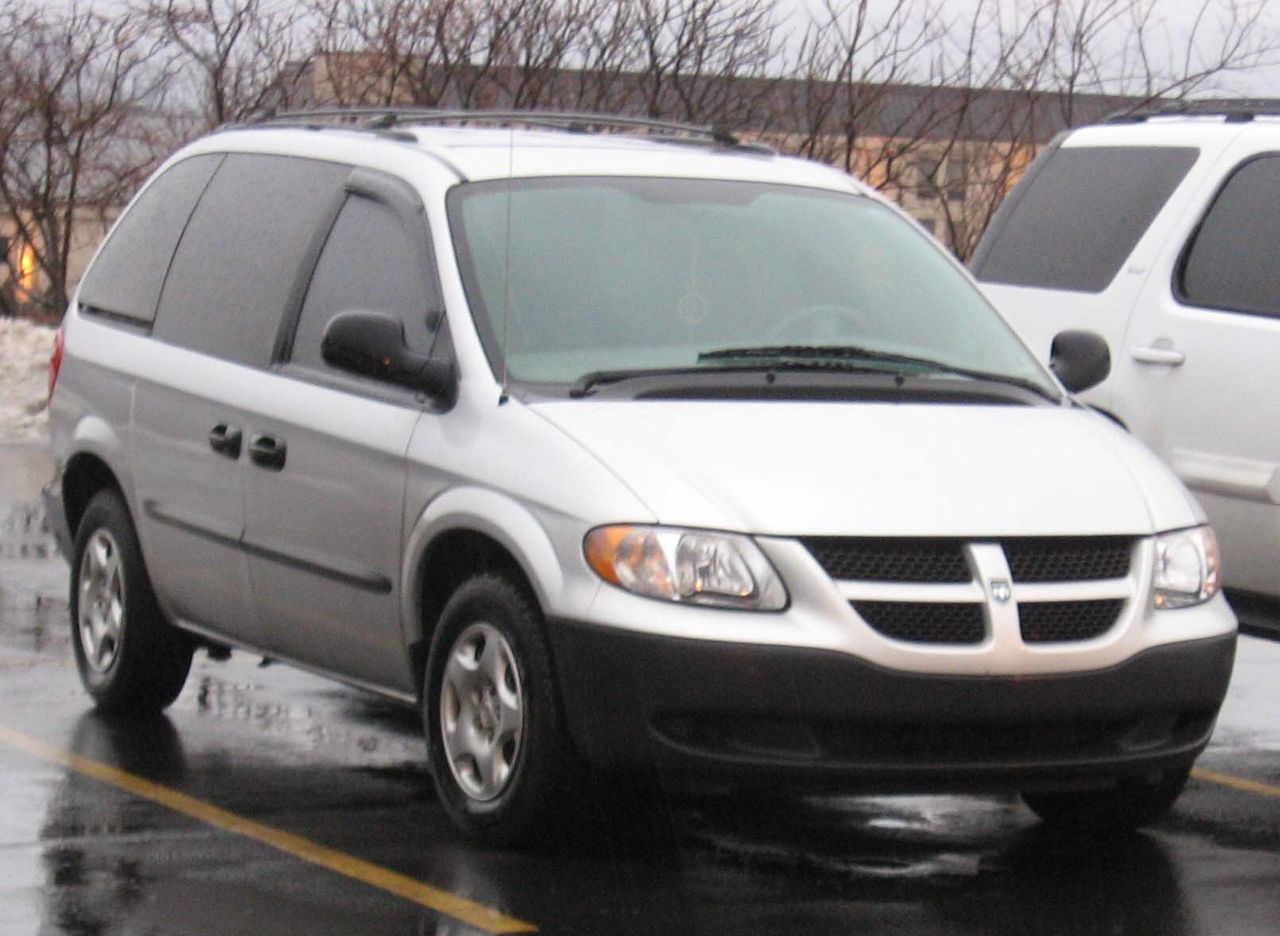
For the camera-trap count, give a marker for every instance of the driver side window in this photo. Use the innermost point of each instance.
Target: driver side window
(368, 264)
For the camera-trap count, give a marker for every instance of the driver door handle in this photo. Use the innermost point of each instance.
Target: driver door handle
(1170, 357)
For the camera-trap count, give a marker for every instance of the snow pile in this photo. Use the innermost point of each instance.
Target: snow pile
(24, 377)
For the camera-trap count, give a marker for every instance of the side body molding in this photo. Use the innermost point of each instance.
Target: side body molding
(493, 514)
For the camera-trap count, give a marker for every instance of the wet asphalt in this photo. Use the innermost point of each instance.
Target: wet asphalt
(155, 825)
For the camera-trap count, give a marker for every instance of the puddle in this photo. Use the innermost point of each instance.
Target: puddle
(33, 581)
(25, 533)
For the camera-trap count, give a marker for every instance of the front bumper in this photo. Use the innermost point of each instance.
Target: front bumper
(704, 711)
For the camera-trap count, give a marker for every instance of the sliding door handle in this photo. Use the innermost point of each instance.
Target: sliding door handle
(225, 440)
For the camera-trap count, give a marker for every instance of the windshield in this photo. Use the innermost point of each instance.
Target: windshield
(572, 276)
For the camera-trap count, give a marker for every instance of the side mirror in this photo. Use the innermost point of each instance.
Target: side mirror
(1080, 359)
(371, 344)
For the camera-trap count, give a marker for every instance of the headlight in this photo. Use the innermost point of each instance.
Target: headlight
(723, 570)
(1188, 569)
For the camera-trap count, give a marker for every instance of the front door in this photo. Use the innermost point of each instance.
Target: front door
(325, 487)
(1200, 368)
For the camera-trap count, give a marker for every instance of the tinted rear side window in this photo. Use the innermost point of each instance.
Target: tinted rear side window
(235, 268)
(1077, 216)
(129, 271)
(1233, 259)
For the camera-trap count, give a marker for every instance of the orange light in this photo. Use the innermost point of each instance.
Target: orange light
(26, 270)
(601, 549)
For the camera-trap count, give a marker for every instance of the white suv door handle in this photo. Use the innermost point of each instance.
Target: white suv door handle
(1168, 356)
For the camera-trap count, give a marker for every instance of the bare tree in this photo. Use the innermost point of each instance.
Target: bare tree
(1034, 67)
(239, 56)
(375, 52)
(851, 64)
(706, 61)
(75, 139)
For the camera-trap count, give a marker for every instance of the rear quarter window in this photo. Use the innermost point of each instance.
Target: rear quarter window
(1232, 260)
(1076, 217)
(126, 278)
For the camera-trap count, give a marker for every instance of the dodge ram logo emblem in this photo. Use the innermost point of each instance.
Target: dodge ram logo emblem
(1000, 590)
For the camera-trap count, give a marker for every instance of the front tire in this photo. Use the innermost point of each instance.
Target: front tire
(500, 756)
(129, 657)
(1132, 803)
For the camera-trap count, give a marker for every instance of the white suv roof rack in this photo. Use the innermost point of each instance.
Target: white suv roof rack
(1235, 110)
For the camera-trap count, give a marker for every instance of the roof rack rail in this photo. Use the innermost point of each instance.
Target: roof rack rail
(1235, 110)
(387, 118)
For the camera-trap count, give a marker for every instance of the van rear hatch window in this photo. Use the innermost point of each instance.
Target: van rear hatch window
(1077, 215)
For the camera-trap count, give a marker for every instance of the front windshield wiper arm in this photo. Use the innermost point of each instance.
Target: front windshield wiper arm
(588, 382)
(790, 354)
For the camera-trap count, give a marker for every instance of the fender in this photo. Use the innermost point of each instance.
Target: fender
(493, 514)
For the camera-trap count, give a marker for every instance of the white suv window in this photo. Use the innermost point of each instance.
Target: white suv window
(1232, 259)
(1078, 215)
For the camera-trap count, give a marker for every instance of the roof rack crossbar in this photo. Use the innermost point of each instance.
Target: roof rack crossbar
(386, 118)
(1235, 110)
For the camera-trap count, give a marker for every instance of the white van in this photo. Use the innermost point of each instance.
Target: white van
(1161, 232)
(619, 445)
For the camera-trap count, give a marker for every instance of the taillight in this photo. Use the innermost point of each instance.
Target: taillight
(55, 360)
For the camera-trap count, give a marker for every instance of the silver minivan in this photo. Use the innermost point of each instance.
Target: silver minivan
(619, 448)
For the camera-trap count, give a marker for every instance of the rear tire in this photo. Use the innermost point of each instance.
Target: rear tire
(1133, 803)
(129, 657)
(500, 755)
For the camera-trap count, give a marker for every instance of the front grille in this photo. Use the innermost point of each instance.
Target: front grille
(1064, 621)
(1068, 559)
(925, 622)
(890, 560)
(1031, 559)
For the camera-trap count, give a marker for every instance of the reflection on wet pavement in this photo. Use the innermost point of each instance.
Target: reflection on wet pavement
(25, 533)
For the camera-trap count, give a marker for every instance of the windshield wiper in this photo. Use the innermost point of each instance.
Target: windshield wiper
(824, 355)
(587, 382)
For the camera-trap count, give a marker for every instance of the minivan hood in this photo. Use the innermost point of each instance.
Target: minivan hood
(878, 469)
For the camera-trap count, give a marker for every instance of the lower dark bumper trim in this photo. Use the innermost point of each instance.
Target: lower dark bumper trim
(723, 711)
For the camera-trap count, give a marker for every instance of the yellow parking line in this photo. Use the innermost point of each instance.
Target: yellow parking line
(433, 898)
(1236, 783)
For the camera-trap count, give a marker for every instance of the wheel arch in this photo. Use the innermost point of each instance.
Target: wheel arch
(461, 533)
(86, 473)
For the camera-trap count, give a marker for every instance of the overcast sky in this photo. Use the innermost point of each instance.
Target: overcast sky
(1174, 22)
